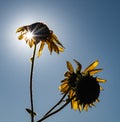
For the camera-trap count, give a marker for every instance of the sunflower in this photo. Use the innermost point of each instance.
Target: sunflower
(39, 33)
(82, 86)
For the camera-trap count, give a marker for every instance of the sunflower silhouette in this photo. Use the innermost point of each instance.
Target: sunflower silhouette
(39, 33)
(82, 86)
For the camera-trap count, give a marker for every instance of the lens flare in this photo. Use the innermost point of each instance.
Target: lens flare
(29, 35)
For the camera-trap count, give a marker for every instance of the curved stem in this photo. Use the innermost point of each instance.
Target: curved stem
(56, 111)
(31, 78)
(56, 103)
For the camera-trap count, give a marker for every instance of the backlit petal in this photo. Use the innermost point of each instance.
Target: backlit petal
(20, 37)
(94, 71)
(20, 29)
(101, 88)
(97, 100)
(55, 39)
(93, 104)
(65, 80)
(48, 44)
(41, 48)
(86, 107)
(60, 49)
(80, 107)
(91, 66)
(64, 87)
(55, 48)
(101, 80)
(67, 74)
(40, 33)
(74, 105)
(70, 67)
(79, 66)
(30, 43)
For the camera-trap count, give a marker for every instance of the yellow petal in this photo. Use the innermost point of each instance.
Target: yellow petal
(67, 74)
(93, 104)
(31, 43)
(97, 100)
(56, 40)
(41, 48)
(94, 71)
(86, 107)
(48, 43)
(55, 47)
(65, 80)
(71, 93)
(79, 66)
(74, 104)
(20, 37)
(64, 87)
(54, 36)
(91, 66)
(70, 67)
(101, 88)
(21, 29)
(80, 107)
(90, 105)
(60, 49)
(50, 47)
(101, 80)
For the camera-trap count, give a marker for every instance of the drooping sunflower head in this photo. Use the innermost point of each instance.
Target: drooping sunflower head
(39, 33)
(82, 86)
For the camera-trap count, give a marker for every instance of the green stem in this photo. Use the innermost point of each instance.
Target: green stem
(31, 90)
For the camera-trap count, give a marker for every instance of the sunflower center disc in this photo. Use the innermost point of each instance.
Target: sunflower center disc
(88, 90)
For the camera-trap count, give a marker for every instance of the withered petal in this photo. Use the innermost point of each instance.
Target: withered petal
(70, 67)
(79, 66)
(41, 48)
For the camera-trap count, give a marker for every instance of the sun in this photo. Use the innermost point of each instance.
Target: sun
(29, 35)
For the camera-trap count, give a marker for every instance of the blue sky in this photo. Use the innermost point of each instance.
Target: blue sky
(89, 30)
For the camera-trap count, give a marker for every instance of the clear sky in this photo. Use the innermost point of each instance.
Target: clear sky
(89, 30)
